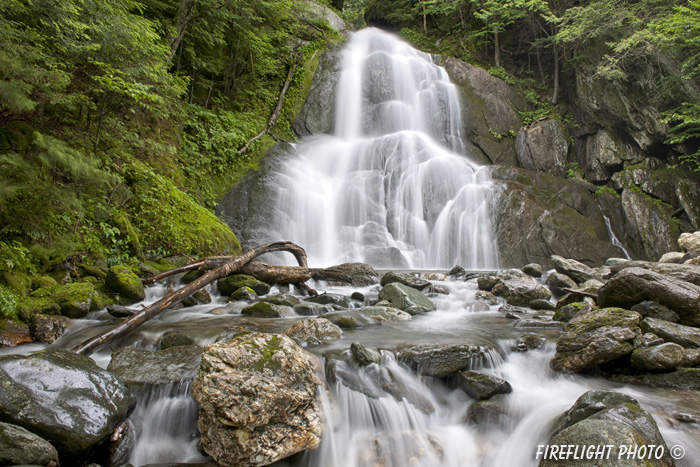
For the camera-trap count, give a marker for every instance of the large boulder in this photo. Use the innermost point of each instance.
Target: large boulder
(557, 282)
(595, 337)
(686, 336)
(257, 399)
(74, 299)
(664, 357)
(318, 328)
(482, 386)
(232, 283)
(405, 278)
(406, 298)
(689, 241)
(360, 274)
(572, 268)
(140, 368)
(122, 280)
(543, 146)
(21, 447)
(682, 378)
(385, 313)
(442, 359)
(649, 224)
(604, 154)
(63, 397)
(515, 286)
(635, 285)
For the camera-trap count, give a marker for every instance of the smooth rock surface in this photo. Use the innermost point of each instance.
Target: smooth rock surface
(139, 368)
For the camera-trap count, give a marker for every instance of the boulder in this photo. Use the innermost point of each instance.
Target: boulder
(282, 299)
(557, 282)
(244, 293)
(567, 312)
(360, 274)
(605, 154)
(519, 289)
(13, 333)
(528, 341)
(312, 309)
(121, 311)
(350, 319)
(75, 298)
(268, 310)
(482, 386)
(257, 399)
(48, 329)
(572, 268)
(21, 447)
(126, 283)
(228, 285)
(672, 257)
(541, 304)
(175, 338)
(543, 146)
(649, 224)
(317, 328)
(682, 378)
(487, 412)
(649, 309)
(139, 368)
(442, 359)
(405, 278)
(365, 355)
(595, 337)
(532, 269)
(664, 357)
(63, 397)
(335, 299)
(685, 336)
(406, 298)
(385, 313)
(317, 114)
(202, 296)
(691, 358)
(689, 241)
(635, 285)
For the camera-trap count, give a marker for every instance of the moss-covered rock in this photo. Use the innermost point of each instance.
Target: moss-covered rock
(43, 282)
(406, 298)
(13, 333)
(228, 285)
(244, 293)
(268, 310)
(122, 280)
(74, 299)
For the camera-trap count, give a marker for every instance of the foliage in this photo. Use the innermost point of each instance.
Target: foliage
(9, 303)
(574, 171)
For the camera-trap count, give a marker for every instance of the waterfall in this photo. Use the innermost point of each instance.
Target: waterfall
(393, 187)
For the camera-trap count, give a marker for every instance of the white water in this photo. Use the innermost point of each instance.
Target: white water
(613, 239)
(393, 187)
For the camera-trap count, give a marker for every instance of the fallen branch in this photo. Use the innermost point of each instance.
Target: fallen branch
(583, 294)
(172, 298)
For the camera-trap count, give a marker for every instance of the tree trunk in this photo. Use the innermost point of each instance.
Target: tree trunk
(555, 91)
(496, 48)
(128, 325)
(184, 14)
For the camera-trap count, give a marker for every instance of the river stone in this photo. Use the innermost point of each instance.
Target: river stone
(683, 272)
(282, 299)
(404, 278)
(650, 340)
(596, 337)
(557, 282)
(482, 386)
(75, 299)
(202, 296)
(318, 328)
(591, 286)
(365, 355)
(565, 313)
(360, 274)
(685, 336)
(543, 146)
(228, 285)
(664, 357)
(268, 310)
(689, 241)
(691, 358)
(121, 311)
(13, 334)
(541, 304)
(257, 399)
(682, 378)
(635, 285)
(650, 309)
(487, 412)
(350, 319)
(572, 268)
(532, 269)
(63, 397)
(48, 329)
(487, 297)
(442, 359)
(520, 290)
(191, 276)
(528, 341)
(175, 338)
(335, 299)
(406, 298)
(385, 313)
(126, 283)
(675, 257)
(139, 368)
(244, 293)
(21, 447)
(312, 309)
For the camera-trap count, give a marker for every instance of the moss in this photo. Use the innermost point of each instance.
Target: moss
(345, 322)
(39, 282)
(31, 306)
(125, 282)
(74, 299)
(267, 354)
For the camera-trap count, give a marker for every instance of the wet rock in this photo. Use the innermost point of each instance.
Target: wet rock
(685, 336)
(385, 313)
(436, 289)
(543, 146)
(360, 297)
(689, 241)
(487, 297)
(572, 268)
(202, 296)
(557, 282)
(350, 319)
(404, 278)
(126, 283)
(335, 299)
(672, 257)
(360, 274)
(75, 299)
(317, 114)
(365, 355)
(649, 224)
(682, 378)
(517, 311)
(228, 285)
(664, 357)
(565, 313)
(650, 340)
(537, 323)
(318, 328)
(406, 298)
(649, 309)
(176, 338)
(573, 298)
(482, 386)
(442, 359)
(21, 447)
(635, 285)
(121, 311)
(590, 287)
(457, 270)
(682, 272)
(191, 276)
(519, 289)
(596, 337)
(487, 412)
(339, 370)
(244, 293)
(541, 304)
(532, 269)
(257, 400)
(477, 306)
(282, 299)
(64, 398)
(13, 334)
(312, 309)
(268, 310)
(48, 329)
(528, 341)
(139, 368)
(691, 358)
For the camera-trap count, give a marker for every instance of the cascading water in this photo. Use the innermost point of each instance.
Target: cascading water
(393, 187)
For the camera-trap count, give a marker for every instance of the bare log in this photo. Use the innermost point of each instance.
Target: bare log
(170, 299)
(579, 292)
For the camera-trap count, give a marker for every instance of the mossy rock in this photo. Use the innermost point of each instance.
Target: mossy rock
(39, 282)
(32, 306)
(228, 285)
(93, 271)
(74, 299)
(244, 293)
(100, 301)
(122, 280)
(268, 310)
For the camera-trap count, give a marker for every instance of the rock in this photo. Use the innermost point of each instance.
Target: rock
(387, 313)
(335, 299)
(532, 269)
(664, 357)
(139, 368)
(442, 359)
(685, 336)
(404, 278)
(244, 293)
(313, 11)
(350, 319)
(482, 386)
(436, 289)
(567, 312)
(318, 328)
(528, 341)
(457, 270)
(682, 378)
(406, 298)
(191, 276)
(175, 338)
(487, 283)
(478, 306)
(360, 274)
(572, 268)
(312, 309)
(121, 311)
(649, 224)
(520, 289)
(541, 304)
(543, 146)
(487, 297)
(48, 329)
(21, 447)
(13, 333)
(365, 355)
(649, 309)
(228, 285)
(683, 272)
(689, 241)
(590, 286)
(74, 299)
(596, 337)
(359, 296)
(317, 114)
(487, 412)
(557, 282)
(122, 280)
(650, 340)
(268, 310)
(257, 399)
(202, 296)
(282, 299)
(605, 154)
(635, 285)
(691, 358)
(607, 418)
(64, 398)
(672, 257)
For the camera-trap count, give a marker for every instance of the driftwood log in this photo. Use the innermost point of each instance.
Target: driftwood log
(221, 269)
